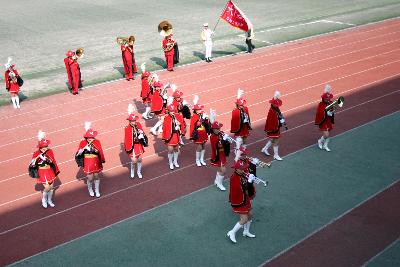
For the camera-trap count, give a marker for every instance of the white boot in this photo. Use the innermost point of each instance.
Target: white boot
(246, 228)
(139, 170)
(49, 196)
(321, 142)
(146, 113)
(89, 186)
(202, 157)
(154, 129)
(132, 170)
(176, 154)
(181, 142)
(44, 200)
(97, 187)
(171, 161)
(17, 101)
(276, 155)
(218, 181)
(326, 145)
(198, 163)
(266, 147)
(239, 142)
(232, 233)
(14, 102)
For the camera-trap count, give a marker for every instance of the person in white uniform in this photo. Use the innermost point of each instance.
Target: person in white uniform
(206, 35)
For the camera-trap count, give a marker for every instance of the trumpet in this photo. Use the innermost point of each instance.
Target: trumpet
(226, 137)
(169, 47)
(256, 179)
(337, 103)
(122, 40)
(259, 163)
(79, 53)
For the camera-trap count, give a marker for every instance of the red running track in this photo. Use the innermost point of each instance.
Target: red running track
(360, 64)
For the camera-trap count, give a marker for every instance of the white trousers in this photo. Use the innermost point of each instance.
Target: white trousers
(208, 45)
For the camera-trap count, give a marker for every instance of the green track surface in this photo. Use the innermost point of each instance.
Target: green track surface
(306, 191)
(38, 33)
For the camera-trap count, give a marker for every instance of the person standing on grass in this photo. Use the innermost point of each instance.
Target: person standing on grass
(128, 58)
(169, 51)
(241, 194)
(93, 159)
(249, 37)
(135, 140)
(273, 125)
(11, 77)
(325, 118)
(45, 169)
(206, 35)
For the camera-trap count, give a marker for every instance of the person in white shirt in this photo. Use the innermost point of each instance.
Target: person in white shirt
(206, 37)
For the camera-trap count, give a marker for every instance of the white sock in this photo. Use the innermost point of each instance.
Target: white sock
(139, 167)
(170, 158)
(17, 101)
(276, 150)
(14, 101)
(268, 145)
(176, 154)
(202, 157)
(239, 142)
(97, 187)
(197, 156)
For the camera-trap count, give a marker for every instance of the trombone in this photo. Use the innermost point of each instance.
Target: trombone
(337, 103)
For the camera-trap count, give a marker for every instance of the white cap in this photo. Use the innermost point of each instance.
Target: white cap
(205, 24)
(277, 94)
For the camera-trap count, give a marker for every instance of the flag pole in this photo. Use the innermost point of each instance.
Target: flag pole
(221, 15)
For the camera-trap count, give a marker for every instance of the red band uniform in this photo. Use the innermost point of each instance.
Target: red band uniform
(241, 191)
(218, 153)
(133, 146)
(173, 126)
(11, 82)
(273, 124)
(168, 46)
(322, 119)
(92, 153)
(240, 122)
(68, 61)
(47, 168)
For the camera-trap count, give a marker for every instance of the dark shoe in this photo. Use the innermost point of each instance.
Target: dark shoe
(209, 60)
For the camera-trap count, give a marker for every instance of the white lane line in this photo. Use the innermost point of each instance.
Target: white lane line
(381, 252)
(238, 61)
(338, 22)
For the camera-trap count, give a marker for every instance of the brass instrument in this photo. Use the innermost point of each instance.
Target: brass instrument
(169, 47)
(337, 103)
(227, 137)
(125, 40)
(259, 163)
(165, 28)
(256, 180)
(79, 53)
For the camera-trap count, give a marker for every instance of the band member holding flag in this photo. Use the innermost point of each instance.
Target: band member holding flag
(240, 122)
(206, 35)
(135, 140)
(273, 124)
(325, 118)
(249, 37)
(44, 162)
(173, 126)
(93, 159)
(11, 77)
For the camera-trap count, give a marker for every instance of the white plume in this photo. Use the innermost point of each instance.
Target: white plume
(41, 135)
(195, 99)
(156, 79)
(131, 109)
(173, 87)
(213, 115)
(88, 125)
(170, 100)
(328, 88)
(277, 94)
(8, 64)
(143, 67)
(238, 154)
(239, 93)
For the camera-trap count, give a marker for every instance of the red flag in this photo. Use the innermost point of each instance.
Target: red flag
(235, 17)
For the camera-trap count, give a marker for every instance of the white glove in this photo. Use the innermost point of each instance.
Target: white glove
(184, 102)
(80, 151)
(204, 116)
(42, 157)
(141, 136)
(282, 121)
(329, 113)
(225, 137)
(33, 162)
(87, 147)
(177, 127)
(255, 161)
(165, 96)
(251, 178)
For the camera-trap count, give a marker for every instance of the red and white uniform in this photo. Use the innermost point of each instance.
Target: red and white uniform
(127, 59)
(145, 93)
(133, 146)
(169, 55)
(197, 122)
(324, 121)
(171, 135)
(273, 124)
(68, 61)
(241, 193)
(218, 157)
(76, 76)
(240, 122)
(47, 169)
(158, 103)
(93, 158)
(11, 84)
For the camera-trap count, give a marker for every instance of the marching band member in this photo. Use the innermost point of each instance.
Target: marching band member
(199, 129)
(220, 148)
(93, 158)
(240, 122)
(158, 104)
(206, 37)
(181, 106)
(249, 37)
(173, 126)
(146, 93)
(135, 140)
(11, 77)
(273, 124)
(325, 119)
(242, 192)
(75, 71)
(128, 58)
(168, 47)
(44, 162)
(68, 61)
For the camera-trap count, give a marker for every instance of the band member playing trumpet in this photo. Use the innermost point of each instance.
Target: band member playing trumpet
(181, 106)
(173, 126)
(128, 58)
(11, 77)
(93, 159)
(325, 118)
(242, 192)
(44, 162)
(68, 61)
(146, 93)
(158, 104)
(273, 124)
(135, 140)
(199, 130)
(240, 121)
(72, 66)
(168, 47)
